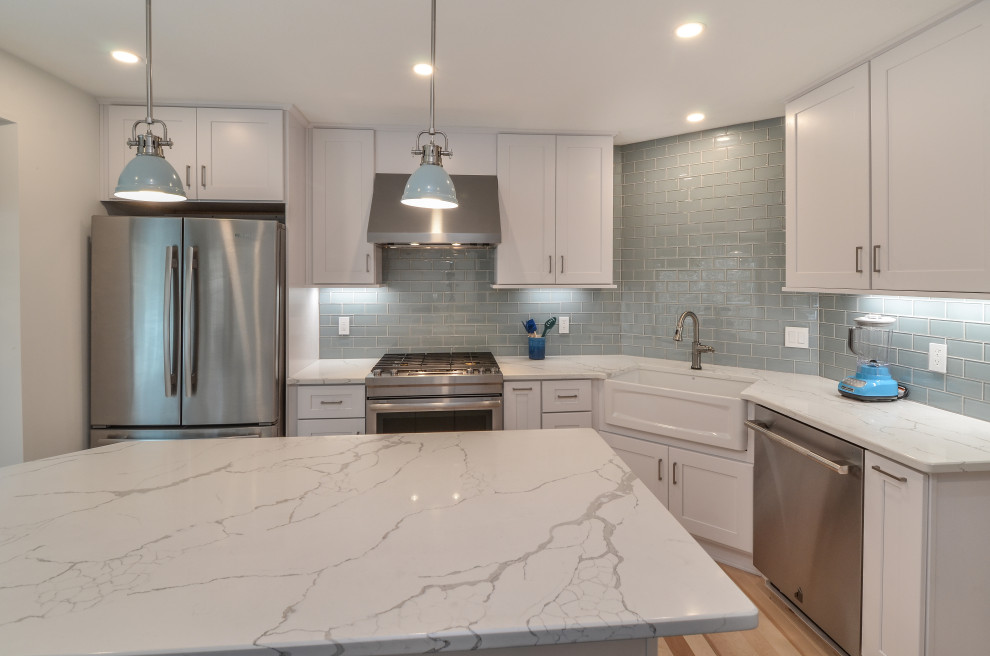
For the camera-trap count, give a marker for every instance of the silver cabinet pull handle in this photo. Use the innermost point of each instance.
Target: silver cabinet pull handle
(760, 427)
(876, 259)
(567, 396)
(167, 321)
(659, 469)
(187, 325)
(367, 262)
(522, 389)
(902, 479)
(203, 176)
(549, 263)
(859, 259)
(561, 263)
(332, 402)
(188, 172)
(675, 473)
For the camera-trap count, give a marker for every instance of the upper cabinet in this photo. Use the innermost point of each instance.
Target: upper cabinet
(343, 177)
(220, 154)
(828, 184)
(925, 226)
(555, 198)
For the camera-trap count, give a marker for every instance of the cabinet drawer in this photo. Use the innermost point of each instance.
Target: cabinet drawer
(330, 401)
(307, 427)
(567, 420)
(566, 395)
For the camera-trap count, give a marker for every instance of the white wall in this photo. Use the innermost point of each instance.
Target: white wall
(11, 433)
(57, 142)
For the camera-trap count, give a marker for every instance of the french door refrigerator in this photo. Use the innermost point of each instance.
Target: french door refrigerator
(186, 328)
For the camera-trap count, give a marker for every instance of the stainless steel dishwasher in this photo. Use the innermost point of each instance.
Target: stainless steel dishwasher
(808, 523)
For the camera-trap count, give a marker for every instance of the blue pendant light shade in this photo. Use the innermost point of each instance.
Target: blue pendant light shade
(150, 178)
(430, 186)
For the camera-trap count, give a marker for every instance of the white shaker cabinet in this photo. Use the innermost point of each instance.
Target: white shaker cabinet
(931, 158)
(648, 460)
(894, 567)
(555, 199)
(239, 153)
(343, 178)
(220, 154)
(827, 141)
(521, 405)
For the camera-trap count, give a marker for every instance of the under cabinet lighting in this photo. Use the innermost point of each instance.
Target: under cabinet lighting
(423, 69)
(694, 118)
(689, 30)
(124, 56)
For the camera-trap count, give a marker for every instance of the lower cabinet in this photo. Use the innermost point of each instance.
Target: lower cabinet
(521, 405)
(546, 404)
(325, 410)
(894, 568)
(712, 497)
(308, 427)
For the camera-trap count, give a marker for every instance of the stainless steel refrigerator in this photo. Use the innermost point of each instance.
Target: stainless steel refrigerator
(186, 328)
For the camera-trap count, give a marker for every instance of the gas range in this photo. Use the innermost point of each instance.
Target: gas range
(480, 366)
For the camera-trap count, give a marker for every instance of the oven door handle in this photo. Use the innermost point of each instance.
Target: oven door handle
(446, 404)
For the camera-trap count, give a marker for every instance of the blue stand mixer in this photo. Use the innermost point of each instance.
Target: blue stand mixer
(869, 340)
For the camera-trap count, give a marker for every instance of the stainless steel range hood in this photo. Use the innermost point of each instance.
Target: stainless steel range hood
(475, 221)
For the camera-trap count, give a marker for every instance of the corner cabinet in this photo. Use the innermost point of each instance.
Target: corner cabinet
(343, 177)
(555, 199)
(220, 154)
(923, 153)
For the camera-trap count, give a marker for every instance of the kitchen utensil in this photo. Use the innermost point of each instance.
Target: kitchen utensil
(869, 340)
(530, 327)
(550, 323)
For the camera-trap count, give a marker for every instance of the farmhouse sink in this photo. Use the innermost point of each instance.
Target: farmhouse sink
(688, 406)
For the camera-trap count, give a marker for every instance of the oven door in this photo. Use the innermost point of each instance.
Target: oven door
(433, 415)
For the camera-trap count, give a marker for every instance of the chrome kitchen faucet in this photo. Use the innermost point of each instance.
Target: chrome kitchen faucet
(697, 348)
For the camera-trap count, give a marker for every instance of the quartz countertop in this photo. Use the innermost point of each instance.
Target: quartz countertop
(922, 437)
(378, 544)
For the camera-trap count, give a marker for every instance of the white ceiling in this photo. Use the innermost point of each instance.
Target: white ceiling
(609, 66)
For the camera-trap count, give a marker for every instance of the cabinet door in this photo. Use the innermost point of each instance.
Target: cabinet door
(343, 179)
(713, 497)
(894, 546)
(526, 187)
(567, 419)
(329, 401)
(181, 124)
(521, 405)
(239, 154)
(828, 184)
(648, 460)
(566, 395)
(931, 158)
(584, 211)
(309, 427)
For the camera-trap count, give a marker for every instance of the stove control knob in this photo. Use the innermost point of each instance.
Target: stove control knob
(376, 372)
(395, 372)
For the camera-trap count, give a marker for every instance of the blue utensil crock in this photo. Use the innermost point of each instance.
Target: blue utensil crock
(537, 348)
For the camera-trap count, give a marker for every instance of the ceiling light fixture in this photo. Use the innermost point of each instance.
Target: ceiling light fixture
(124, 56)
(422, 69)
(689, 30)
(430, 186)
(694, 118)
(149, 177)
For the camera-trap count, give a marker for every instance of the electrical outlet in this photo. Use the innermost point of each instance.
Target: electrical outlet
(343, 325)
(795, 337)
(564, 325)
(937, 355)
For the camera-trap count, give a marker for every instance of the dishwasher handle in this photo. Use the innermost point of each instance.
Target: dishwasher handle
(761, 427)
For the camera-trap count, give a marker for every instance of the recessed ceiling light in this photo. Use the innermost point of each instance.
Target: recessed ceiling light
(124, 56)
(688, 30)
(694, 118)
(423, 69)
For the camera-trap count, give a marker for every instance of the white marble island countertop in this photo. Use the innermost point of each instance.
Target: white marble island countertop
(388, 544)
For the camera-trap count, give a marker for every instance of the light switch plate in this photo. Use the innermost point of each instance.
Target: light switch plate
(795, 337)
(343, 325)
(564, 325)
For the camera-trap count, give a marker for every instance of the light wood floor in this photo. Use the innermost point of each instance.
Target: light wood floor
(780, 632)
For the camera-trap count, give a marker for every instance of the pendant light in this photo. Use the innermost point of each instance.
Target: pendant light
(149, 176)
(430, 186)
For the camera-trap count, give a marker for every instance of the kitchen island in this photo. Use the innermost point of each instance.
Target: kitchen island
(541, 541)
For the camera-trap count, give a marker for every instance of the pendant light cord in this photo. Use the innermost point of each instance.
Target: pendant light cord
(433, 62)
(147, 37)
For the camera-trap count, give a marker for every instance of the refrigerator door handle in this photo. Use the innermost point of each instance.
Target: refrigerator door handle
(187, 325)
(171, 253)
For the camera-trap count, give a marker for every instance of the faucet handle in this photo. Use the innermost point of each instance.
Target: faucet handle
(704, 348)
